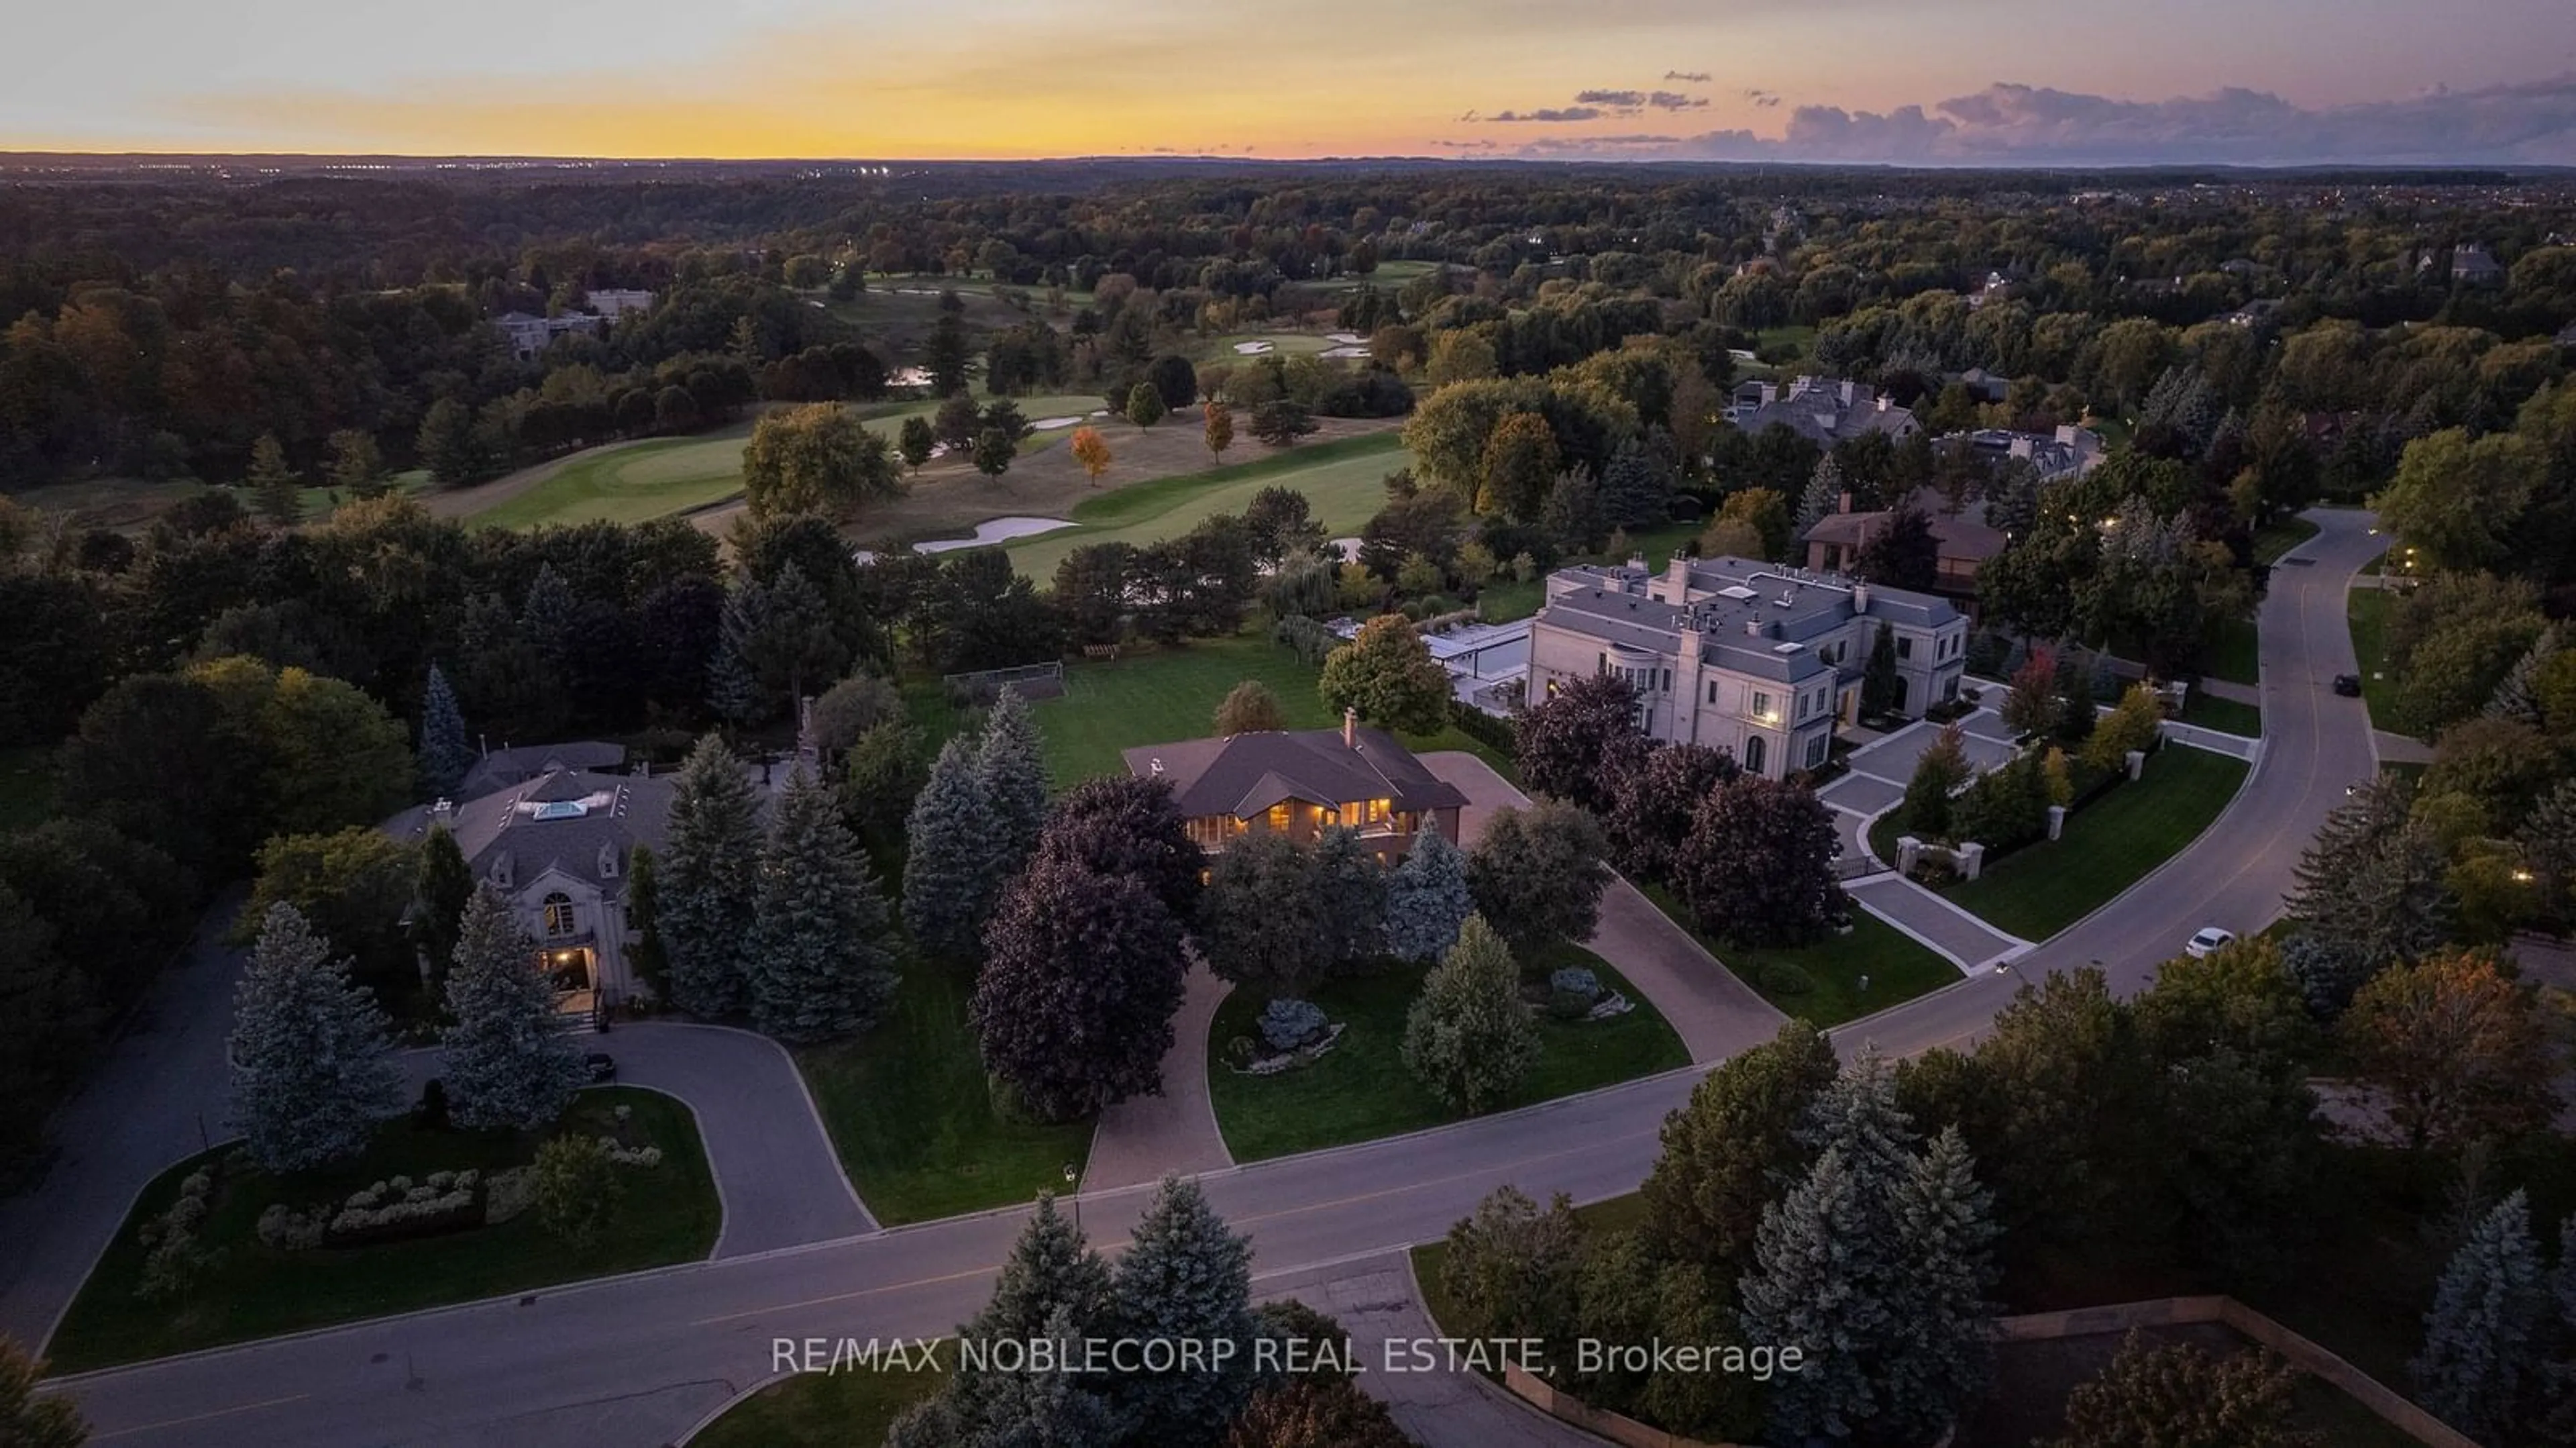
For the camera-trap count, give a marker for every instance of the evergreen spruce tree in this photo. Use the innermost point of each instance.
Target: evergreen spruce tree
(2483, 1337)
(1350, 898)
(1878, 679)
(1468, 1037)
(1883, 1255)
(1823, 497)
(275, 488)
(1186, 1277)
(2561, 1421)
(1942, 1360)
(443, 884)
(1636, 489)
(1011, 771)
(2514, 697)
(644, 950)
(948, 884)
(2352, 831)
(508, 1063)
(1427, 898)
(733, 678)
(444, 753)
(708, 881)
(819, 965)
(312, 1071)
(1051, 1269)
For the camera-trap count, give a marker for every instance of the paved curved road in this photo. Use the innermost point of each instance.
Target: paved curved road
(636, 1360)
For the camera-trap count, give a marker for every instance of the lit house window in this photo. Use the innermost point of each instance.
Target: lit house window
(1279, 814)
(559, 919)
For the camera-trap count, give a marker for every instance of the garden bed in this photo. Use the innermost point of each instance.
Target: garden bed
(253, 1291)
(1361, 1090)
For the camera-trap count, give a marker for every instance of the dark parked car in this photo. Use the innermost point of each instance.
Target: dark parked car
(602, 1066)
(2348, 685)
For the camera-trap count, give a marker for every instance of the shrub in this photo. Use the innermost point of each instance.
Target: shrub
(1566, 1005)
(1577, 981)
(1241, 1051)
(1288, 1024)
(508, 1194)
(177, 1258)
(1779, 977)
(577, 1189)
(431, 1113)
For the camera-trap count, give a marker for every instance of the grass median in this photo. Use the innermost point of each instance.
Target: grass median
(2109, 845)
(851, 1405)
(1827, 982)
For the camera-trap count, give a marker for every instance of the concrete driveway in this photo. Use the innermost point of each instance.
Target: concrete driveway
(161, 1095)
(1143, 1137)
(773, 1162)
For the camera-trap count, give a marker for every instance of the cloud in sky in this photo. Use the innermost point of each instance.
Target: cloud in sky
(2013, 124)
(1672, 101)
(1700, 76)
(1547, 113)
(1623, 98)
(1767, 100)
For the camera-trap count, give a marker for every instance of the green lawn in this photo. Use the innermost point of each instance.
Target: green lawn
(1360, 1090)
(845, 1409)
(26, 786)
(1822, 982)
(634, 482)
(907, 1108)
(1798, 339)
(1154, 696)
(2368, 608)
(2280, 536)
(2234, 653)
(1342, 480)
(670, 1214)
(2223, 714)
(2109, 845)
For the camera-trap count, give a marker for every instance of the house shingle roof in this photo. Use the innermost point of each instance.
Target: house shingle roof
(569, 820)
(1243, 774)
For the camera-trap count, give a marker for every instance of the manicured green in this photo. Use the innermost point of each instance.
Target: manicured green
(2234, 653)
(2280, 536)
(26, 786)
(630, 483)
(1283, 345)
(1155, 696)
(1360, 1090)
(908, 1111)
(2367, 609)
(1343, 481)
(2225, 715)
(670, 1214)
(2108, 846)
(1825, 986)
(853, 1406)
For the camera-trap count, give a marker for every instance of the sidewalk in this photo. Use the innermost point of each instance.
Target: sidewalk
(1376, 1303)
(1968, 943)
(1143, 1137)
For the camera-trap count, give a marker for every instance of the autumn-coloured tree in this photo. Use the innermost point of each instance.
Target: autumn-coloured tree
(2457, 1047)
(2032, 707)
(1092, 451)
(1220, 430)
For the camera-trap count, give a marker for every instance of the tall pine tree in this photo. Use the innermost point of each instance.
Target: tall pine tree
(708, 880)
(508, 1063)
(1468, 1037)
(948, 884)
(1011, 769)
(819, 964)
(275, 488)
(1427, 898)
(1186, 1277)
(2483, 1336)
(644, 952)
(733, 675)
(312, 1072)
(444, 753)
(441, 887)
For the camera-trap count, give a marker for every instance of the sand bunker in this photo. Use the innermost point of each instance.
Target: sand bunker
(1251, 349)
(1347, 339)
(994, 530)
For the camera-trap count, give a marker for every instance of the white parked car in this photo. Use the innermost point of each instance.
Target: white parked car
(2207, 939)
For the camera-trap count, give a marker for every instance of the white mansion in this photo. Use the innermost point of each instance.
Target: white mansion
(1754, 658)
(557, 838)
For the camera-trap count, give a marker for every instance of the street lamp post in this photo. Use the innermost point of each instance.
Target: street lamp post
(1071, 1177)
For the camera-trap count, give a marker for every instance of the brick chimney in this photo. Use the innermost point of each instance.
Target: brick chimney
(1350, 728)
